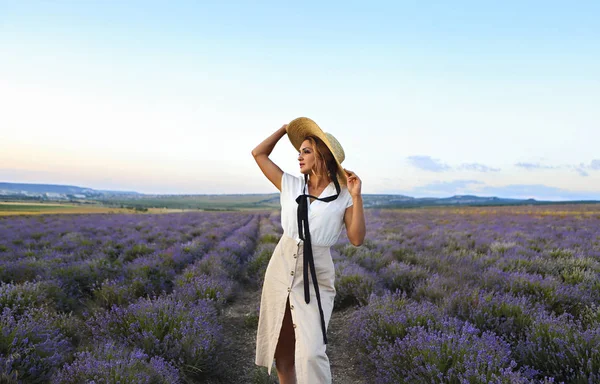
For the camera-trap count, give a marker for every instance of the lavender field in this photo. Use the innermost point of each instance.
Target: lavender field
(471, 295)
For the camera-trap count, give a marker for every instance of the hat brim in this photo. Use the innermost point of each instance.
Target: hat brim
(302, 127)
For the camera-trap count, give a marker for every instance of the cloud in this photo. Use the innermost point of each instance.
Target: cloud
(582, 169)
(533, 166)
(427, 163)
(477, 167)
(454, 184)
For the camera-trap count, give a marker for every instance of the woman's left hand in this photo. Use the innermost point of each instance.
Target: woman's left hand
(354, 183)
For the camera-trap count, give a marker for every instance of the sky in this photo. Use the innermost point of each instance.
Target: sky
(428, 98)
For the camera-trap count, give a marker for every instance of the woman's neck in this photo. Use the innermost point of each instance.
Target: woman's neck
(316, 182)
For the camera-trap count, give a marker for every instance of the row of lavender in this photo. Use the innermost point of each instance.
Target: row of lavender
(119, 298)
(476, 295)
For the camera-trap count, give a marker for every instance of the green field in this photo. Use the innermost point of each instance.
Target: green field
(150, 204)
(26, 208)
(200, 202)
(34, 207)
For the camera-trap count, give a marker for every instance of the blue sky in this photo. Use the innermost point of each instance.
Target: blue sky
(427, 98)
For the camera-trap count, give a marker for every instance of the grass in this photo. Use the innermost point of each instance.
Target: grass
(150, 204)
(200, 202)
(16, 208)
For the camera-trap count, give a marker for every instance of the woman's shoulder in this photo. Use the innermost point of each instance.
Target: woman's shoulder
(292, 178)
(289, 181)
(345, 196)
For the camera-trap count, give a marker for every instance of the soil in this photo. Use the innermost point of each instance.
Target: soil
(343, 360)
(240, 322)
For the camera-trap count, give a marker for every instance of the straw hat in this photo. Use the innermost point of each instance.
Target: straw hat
(298, 129)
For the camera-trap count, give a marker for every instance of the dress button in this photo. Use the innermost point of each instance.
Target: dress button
(295, 256)
(294, 325)
(289, 289)
(291, 307)
(292, 273)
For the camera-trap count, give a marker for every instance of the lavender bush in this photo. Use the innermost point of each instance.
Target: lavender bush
(459, 353)
(190, 288)
(32, 346)
(506, 315)
(558, 346)
(186, 334)
(268, 239)
(113, 363)
(353, 284)
(23, 296)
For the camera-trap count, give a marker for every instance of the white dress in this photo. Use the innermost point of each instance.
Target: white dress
(284, 279)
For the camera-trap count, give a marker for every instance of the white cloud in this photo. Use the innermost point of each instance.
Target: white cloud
(534, 166)
(477, 167)
(427, 163)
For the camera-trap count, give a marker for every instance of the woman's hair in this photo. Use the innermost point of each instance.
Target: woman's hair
(325, 162)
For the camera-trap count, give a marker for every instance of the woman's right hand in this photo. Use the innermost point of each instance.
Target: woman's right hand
(261, 155)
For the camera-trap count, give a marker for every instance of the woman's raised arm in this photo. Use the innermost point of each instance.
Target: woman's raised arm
(261, 155)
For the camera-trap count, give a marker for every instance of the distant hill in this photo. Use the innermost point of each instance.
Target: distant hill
(54, 192)
(394, 201)
(51, 192)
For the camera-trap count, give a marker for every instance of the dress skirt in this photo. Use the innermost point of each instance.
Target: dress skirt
(283, 280)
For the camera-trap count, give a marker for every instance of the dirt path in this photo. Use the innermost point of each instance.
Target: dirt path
(240, 336)
(239, 323)
(344, 367)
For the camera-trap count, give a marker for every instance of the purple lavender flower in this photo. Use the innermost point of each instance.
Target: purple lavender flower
(109, 363)
(187, 334)
(456, 354)
(32, 346)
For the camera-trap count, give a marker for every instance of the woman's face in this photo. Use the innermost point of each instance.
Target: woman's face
(306, 157)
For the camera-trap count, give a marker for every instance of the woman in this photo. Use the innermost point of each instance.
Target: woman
(295, 308)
